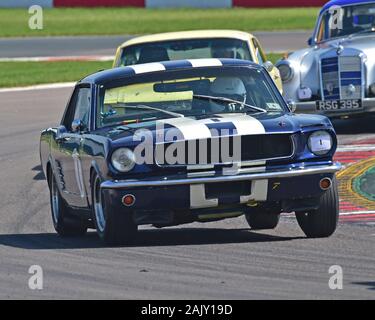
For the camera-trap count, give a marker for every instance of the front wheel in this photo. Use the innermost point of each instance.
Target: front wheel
(64, 222)
(321, 223)
(259, 219)
(114, 228)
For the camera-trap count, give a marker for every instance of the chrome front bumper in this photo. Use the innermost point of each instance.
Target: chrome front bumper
(368, 105)
(241, 176)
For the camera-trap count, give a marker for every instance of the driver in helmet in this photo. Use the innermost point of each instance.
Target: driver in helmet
(222, 51)
(227, 87)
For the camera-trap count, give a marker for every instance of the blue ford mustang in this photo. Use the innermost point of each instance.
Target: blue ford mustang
(169, 143)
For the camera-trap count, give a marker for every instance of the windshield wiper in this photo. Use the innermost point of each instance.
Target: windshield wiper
(144, 107)
(227, 100)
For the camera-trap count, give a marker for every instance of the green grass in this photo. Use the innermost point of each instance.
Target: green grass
(111, 21)
(274, 57)
(15, 74)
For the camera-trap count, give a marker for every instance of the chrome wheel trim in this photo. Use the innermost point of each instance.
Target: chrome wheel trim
(98, 207)
(55, 201)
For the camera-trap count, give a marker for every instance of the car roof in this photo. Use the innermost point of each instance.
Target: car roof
(184, 35)
(165, 66)
(343, 3)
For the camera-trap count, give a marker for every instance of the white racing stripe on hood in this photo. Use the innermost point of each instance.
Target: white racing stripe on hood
(147, 67)
(191, 129)
(245, 124)
(197, 129)
(196, 63)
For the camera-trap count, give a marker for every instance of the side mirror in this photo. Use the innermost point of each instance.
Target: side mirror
(292, 105)
(77, 125)
(310, 41)
(268, 65)
(61, 130)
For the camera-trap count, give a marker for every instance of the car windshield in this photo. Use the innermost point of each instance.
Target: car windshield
(184, 49)
(347, 20)
(196, 92)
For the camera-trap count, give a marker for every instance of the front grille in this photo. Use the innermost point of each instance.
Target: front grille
(253, 147)
(341, 78)
(257, 147)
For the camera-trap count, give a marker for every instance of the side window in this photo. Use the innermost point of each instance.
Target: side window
(320, 35)
(258, 52)
(79, 108)
(82, 110)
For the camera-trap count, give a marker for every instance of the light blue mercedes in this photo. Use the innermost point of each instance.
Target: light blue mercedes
(335, 76)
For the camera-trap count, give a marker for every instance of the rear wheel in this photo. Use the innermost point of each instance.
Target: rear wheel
(114, 228)
(262, 219)
(321, 223)
(64, 222)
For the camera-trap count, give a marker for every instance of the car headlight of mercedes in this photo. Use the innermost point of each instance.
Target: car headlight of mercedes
(286, 71)
(372, 89)
(123, 159)
(320, 142)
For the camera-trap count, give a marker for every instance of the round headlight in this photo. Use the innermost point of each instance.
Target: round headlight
(320, 143)
(123, 159)
(372, 89)
(286, 71)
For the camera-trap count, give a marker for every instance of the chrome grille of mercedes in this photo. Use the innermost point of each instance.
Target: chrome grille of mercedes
(341, 78)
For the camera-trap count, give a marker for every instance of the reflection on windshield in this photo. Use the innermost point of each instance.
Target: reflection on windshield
(201, 93)
(185, 49)
(347, 20)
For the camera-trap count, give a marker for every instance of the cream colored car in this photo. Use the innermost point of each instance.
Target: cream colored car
(195, 45)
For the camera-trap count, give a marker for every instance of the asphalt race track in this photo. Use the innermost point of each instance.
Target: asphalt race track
(106, 45)
(223, 260)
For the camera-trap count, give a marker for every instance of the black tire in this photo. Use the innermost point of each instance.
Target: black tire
(113, 228)
(64, 222)
(322, 223)
(259, 219)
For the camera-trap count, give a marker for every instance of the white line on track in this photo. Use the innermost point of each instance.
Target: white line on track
(360, 147)
(58, 58)
(40, 87)
(356, 212)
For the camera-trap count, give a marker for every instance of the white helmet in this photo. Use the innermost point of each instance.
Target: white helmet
(228, 86)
